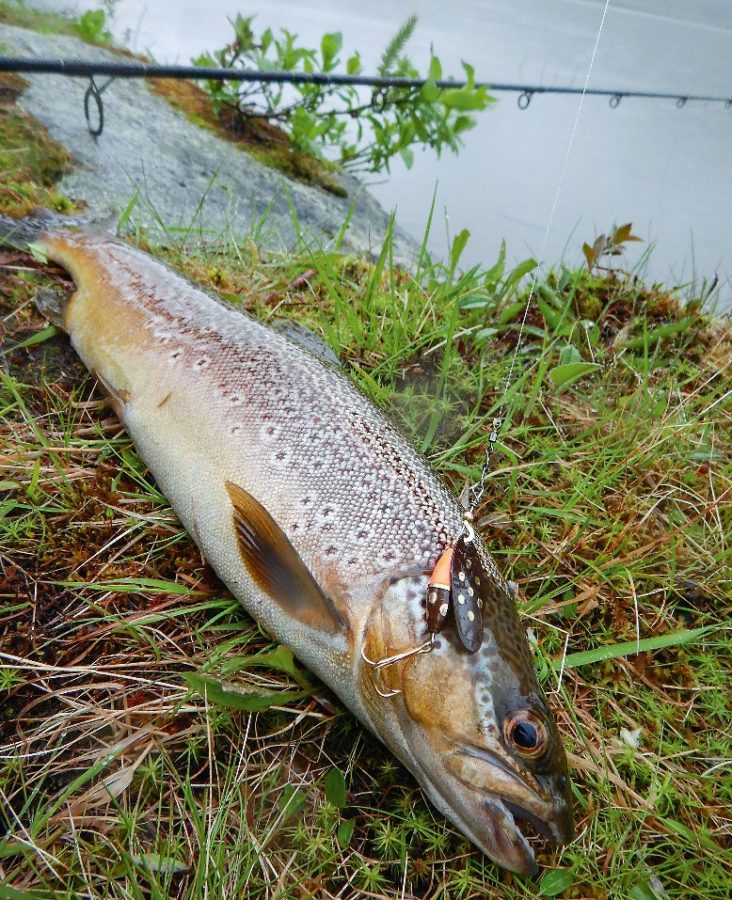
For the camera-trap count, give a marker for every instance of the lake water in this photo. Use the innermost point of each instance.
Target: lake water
(667, 170)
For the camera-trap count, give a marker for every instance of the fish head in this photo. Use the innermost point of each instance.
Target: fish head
(475, 728)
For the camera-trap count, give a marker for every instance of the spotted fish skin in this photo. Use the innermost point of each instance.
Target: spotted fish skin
(223, 409)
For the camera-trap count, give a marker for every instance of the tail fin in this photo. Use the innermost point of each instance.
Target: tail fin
(19, 233)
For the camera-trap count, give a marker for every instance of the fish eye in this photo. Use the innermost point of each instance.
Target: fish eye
(526, 734)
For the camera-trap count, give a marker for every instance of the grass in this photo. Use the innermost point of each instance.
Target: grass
(30, 162)
(155, 743)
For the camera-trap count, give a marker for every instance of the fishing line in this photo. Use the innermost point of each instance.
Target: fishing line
(478, 489)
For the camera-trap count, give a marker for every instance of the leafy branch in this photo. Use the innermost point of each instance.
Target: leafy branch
(366, 132)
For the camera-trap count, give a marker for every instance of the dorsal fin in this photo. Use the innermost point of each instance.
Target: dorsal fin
(276, 567)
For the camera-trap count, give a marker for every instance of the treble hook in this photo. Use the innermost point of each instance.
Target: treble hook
(392, 660)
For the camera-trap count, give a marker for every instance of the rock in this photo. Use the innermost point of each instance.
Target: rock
(190, 182)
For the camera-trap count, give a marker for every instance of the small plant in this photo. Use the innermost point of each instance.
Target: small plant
(91, 27)
(367, 132)
(612, 244)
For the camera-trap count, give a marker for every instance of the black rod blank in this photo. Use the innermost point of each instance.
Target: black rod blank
(86, 69)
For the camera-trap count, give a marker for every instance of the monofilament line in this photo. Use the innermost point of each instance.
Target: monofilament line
(550, 221)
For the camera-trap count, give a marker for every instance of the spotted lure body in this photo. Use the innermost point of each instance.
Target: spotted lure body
(327, 525)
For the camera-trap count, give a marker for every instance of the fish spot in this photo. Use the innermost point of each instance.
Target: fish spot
(461, 599)
(471, 615)
(202, 363)
(461, 576)
(235, 429)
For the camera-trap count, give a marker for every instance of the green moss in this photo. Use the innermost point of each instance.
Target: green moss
(45, 21)
(30, 162)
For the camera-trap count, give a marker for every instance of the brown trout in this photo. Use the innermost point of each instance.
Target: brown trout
(326, 524)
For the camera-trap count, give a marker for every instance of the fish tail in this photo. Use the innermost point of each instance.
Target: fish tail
(18, 233)
(21, 232)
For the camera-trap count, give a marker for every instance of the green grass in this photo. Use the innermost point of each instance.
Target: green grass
(155, 743)
(30, 162)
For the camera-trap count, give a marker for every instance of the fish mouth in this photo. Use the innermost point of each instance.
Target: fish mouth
(560, 830)
(550, 819)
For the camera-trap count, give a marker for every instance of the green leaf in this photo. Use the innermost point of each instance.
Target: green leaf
(552, 317)
(330, 46)
(631, 648)
(280, 659)
(127, 211)
(495, 273)
(658, 334)
(154, 862)
(567, 374)
(485, 333)
(509, 312)
(642, 891)
(435, 73)
(10, 893)
(345, 832)
(292, 801)
(407, 155)
(569, 354)
(555, 882)
(40, 337)
(463, 99)
(463, 123)
(517, 273)
(37, 251)
(131, 586)
(353, 65)
(231, 697)
(458, 245)
(334, 785)
(429, 92)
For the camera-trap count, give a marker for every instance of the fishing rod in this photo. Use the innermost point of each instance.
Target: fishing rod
(79, 68)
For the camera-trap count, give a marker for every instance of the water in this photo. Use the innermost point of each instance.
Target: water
(667, 170)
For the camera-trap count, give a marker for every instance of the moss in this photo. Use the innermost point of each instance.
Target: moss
(30, 162)
(45, 21)
(263, 140)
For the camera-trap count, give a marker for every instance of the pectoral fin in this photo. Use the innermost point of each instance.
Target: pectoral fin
(276, 567)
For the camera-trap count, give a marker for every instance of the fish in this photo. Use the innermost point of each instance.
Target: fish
(333, 532)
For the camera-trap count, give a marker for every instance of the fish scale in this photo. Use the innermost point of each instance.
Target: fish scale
(325, 523)
(402, 516)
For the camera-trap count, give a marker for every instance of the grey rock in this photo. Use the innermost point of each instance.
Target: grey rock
(189, 182)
